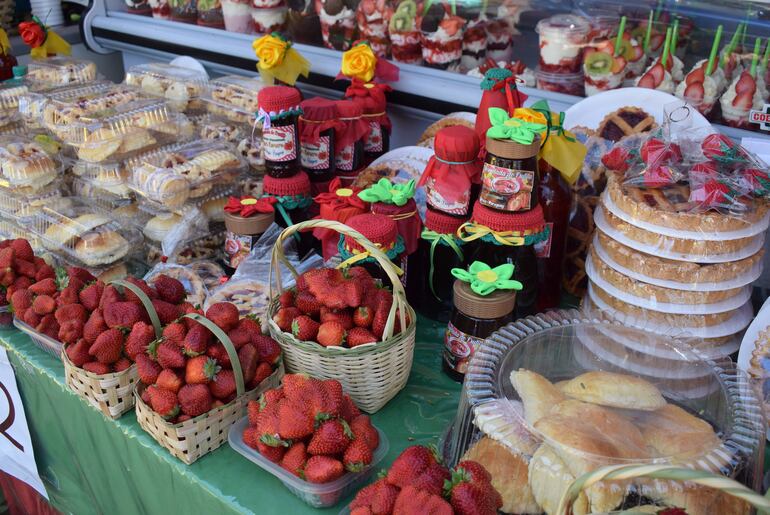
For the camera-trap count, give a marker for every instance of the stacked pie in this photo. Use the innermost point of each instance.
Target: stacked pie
(658, 264)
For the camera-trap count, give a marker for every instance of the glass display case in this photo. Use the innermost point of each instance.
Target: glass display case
(712, 54)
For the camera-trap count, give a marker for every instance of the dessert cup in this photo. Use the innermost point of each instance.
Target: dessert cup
(210, 14)
(562, 38)
(160, 9)
(185, 11)
(303, 23)
(373, 17)
(567, 83)
(406, 47)
(269, 19)
(474, 44)
(237, 16)
(443, 48)
(499, 40)
(338, 30)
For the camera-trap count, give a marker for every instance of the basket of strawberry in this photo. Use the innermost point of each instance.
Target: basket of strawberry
(342, 324)
(309, 434)
(198, 377)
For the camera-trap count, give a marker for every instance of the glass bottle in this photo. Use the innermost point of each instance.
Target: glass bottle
(317, 148)
(279, 108)
(509, 179)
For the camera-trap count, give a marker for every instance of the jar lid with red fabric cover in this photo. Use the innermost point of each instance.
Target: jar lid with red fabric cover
(352, 126)
(279, 101)
(318, 115)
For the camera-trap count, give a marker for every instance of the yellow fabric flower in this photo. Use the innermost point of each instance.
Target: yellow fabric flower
(529, 115)
(270, 51)
(359, 62)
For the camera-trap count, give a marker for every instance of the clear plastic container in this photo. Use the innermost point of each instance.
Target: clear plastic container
(9, 102)
(666, 404)
(316, 495)
(562, 39)
(45, 342)
(172, 175)
(25, 164)
(246, 138)
(59, 71)
(234, 97)
(567, 83)
(181, 87)
(20, 207)
(95, 179)
(10, 230)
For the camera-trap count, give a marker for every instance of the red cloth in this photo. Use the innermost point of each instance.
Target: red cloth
(497, 96)
(275, 99)
(22, 499)
(443, 223)
(318, 114)
(339, 208)
(352, 126)
(371, 97)
(407, 219)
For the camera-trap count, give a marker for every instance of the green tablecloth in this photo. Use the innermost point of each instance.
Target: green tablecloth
(91, 464)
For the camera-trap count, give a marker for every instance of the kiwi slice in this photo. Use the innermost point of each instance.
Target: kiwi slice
(598, 63)
(627, 50)
(399, 21)
(409, 6)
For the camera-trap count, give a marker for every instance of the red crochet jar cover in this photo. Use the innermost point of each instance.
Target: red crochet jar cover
(298, 184)
(407, 219)
(379, 229)
(500, 221)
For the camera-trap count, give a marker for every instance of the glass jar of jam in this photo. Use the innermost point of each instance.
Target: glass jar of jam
(473, 319)
(293, 199)
(279, 109)
(509, 178)
(243, 231)
(317, 148)
(349, 144)
(372, 99)
(383, 232)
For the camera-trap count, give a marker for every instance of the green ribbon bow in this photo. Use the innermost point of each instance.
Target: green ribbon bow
(504, 127)
(388, 193)
(445, 239)
(542, 107)
(288, 202)
(485, 279)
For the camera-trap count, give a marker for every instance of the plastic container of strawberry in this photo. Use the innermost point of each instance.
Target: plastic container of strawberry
(322, 495)
(48, 344)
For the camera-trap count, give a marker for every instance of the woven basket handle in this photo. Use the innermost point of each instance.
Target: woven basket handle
(620, 472)
(146, 302)
(229, 347)
(399, 296)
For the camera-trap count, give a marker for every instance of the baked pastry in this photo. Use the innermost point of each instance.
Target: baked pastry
(99, 145)
(614, 390)
(251, 150)
(210, 273)
(111, 273)
(134, 139)
(510, 475)
(61, 71)
(193, 284)
(159, 226)
(537, 394)
(161, 184)
(549, 479)
(26, 164)
(503, 421)
(63, 234)
(464, 119)
(674, 433)
(696, 499)
(219, 130)
(214, 209)
(249, 296)
(101, 247)
(625, 121)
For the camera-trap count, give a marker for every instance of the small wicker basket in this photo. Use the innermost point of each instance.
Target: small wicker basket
(112, 394)
(197, 437)
(371, 374)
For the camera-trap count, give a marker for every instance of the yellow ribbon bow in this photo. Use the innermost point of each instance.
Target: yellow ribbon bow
(471, 231)
(53, 44)
(559, 147)
(278, 60)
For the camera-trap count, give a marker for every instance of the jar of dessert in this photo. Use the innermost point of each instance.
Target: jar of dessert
(317, 125)
(185, 11)
(381, 231)
(246, 219)
(562, 39)
(397, 202)
(303, 23)
(349, 141)
(279, 110)
(473, 319)
(210, 14)
(509, 178)
(372, 99)
(236, 15)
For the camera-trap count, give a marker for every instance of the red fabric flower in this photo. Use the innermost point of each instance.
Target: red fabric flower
(346, 197)
(32, 33)
(249, 206)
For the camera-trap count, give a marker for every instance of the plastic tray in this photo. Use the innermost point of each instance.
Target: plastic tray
(316, 495)
(56, 71)
(246, 138)
(234, 98)
(181, 87)
(10, 230)
(97, 179)
(48, 344)
(25, 164)
(22, 207)
(9, 102)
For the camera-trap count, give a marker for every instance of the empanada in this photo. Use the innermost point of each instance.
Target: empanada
(615, 390)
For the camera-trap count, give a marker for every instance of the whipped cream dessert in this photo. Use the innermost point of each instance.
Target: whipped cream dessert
(741, 96)
(562, 38)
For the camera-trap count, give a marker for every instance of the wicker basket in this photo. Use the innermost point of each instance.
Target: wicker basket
(112, 394)
(196, 437)
(371, 374)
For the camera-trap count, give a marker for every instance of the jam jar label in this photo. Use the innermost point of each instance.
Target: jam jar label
(279, 143)
(315, 156)
(543, 249)
(237, 247)
(436, 200)
(506, 189)
(459, 348)
(373, 142)
(344, 158)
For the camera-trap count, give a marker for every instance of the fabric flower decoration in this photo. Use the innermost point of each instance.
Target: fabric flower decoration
(278, 60)
(485, 280)
(249, 206)
(359, 62)
(529, 115)
(513, 129)
(42, 40)
(338, 196)
(388, 193)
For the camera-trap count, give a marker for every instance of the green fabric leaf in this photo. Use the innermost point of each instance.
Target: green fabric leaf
(504, 272)
(497, 116)
(386, 192)
(484, 280)
(514, 129)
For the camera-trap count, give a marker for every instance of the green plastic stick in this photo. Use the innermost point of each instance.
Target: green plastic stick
(674, 36)
(666, 47)
(731, 46)
(767, 55)
(714, 48)
(619, 37)
(755, 57)
(658, 10)
(648, 33)
(453, 3)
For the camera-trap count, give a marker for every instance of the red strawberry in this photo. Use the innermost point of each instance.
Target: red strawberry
(411, 501)
(253, 408)
(658, 73)
(357, 456)
(43, 304)
(169, 380)
(201, 370)
(195, 399)
(169, 289)
(26, 269)
(332, 437)
(175, 332)
(274, 454)
(147, 369)
(70, 331)
(91, 294)
(7, 258)
(363, 316)
(224, 314)
(286, 299)
(296, 386)
(71, 312)
(108, 347)
(295, 458)
(182, 418)
(244, 332)
(409, 465)
(78, 353)
(271, 397)
(745, 85)
(471, 491)
(646, 81)
(80, 273)
(696, 76)
(267, 424)
(294, 421)
(142, 285)
(263, 372)
(380, 320)
(140, 337)
(223, 384)
(342, 316)
(123, 314)
(21, 299)
(304, 328)
(379, 498)
(94, 326)
(22, 249)
(110, 295)
(68, 295)
(307, 304)
(31, 318)
(360, 336)
(197, 340)
(323, 469)
(349, 410)
(97, 368)
(432, 479)
(331, 334)
(218, 352)
(121, 365)
(694, 92)
(353, 292)
(44, 272)
(249, 360)
(163, 402)
(362, 429)
(744, 100)
(48, 326)
(167, 354)
(268, 349)
(145, 396)
(284, 317)
(167, 312)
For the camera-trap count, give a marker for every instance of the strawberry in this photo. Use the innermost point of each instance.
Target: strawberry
(43, 304)
(411, 501)
(745, 85)
(360, 336)
(363, 316)
(31, 318)
(169, 289)
(44, 272)
(307, 304)
(267, 424)
(331, 334)
(343, 316)
(263, 372)
(471, 492)
(108, 347)
(167, 354)
(268, 349)
(20, 283)
(694, 92)
(90, 295)
(304, 328)
(646, 81)
(145, 396)
(224, 314)
(294, 421)
(78, 353)
(379, 497)
(743, 100)
(332, 437)
(22, 249)
(80, 273)
(68, 295)
(286, 299)
(97, 368)
(295, 458)
(362, 276)
(141, 336)
(130, 296)
(349, 410)
(218, 352)
(169, 380)
(201, 370)
(251, 437)
(70, 331)
(147, 369)
(26, 269)
(197, 340)
(323, 469)
(223, 385)
(94, 326)
(357, 456)
(249, 360)
(432, 479)
(195, 399)
(110, 295)
(362, 429)
(379, 321)
(353, 292)
(696, 76)
(7, 258)
(123, 314)
(21, 299)
(253, 408)
(48, 326)
(410, 464)
(284, 317)
(175, 332)
(163, 402)
(121, 365)
(182, 418)
(618, 63)
(167, 312)
(296, 386)
(71, 312)
(7, 276)
(244, 332)
(274, 454)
